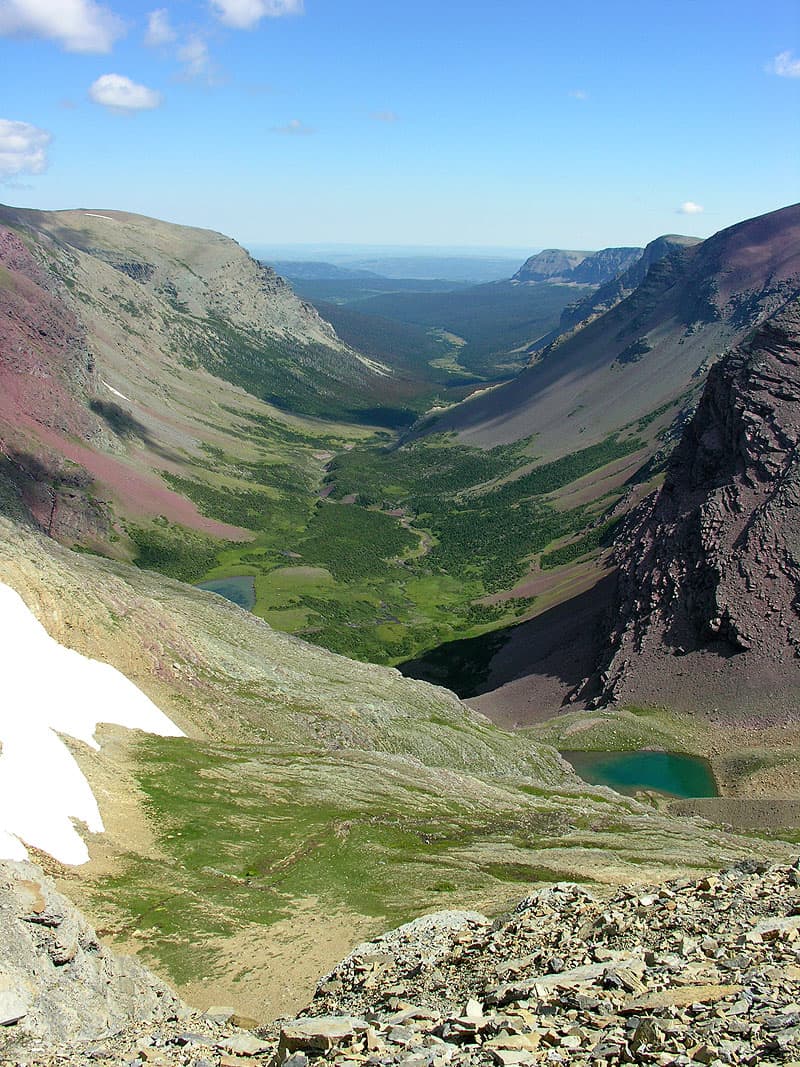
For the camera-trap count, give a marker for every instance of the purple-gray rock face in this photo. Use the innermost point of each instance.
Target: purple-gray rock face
(710, 564)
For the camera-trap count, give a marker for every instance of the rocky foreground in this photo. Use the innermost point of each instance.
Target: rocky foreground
(687, 972)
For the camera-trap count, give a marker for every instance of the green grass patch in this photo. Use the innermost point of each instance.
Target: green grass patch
(174, 550)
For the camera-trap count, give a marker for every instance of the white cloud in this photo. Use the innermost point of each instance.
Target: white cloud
(688, 207)
(784, 65)
(121, 94)
(294, 127)
(195, 58)
(159, 30)
(578, 94)
(77, 25)
(23, 148)
(244, 14)
(385, 116)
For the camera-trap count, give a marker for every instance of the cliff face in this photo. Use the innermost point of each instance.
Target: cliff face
(549, 264)
(583, 268)
(710, 565)
(620, 285)
(59, 985)
(604, 265)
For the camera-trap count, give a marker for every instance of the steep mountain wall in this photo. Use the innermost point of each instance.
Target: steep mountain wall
(650, 350)
(618, 287)
(128, 347)
(708, 613)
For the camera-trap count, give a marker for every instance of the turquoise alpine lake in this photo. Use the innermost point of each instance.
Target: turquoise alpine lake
(240, 589)
(663, 772)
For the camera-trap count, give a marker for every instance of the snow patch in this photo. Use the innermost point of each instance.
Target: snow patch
(48, 690)
(116, 392)
(94, 215)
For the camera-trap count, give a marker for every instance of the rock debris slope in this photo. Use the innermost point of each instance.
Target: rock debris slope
(686, 972)
(710, 565)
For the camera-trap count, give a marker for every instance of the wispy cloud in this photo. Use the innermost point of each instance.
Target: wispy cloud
(77, 25)
(784, 65)
(385, 116)
(119, 93)
(196, 61)
(244, 14)
(578, 94)
(689, 207)
(159, 29)
(23, 148)
(294, 128)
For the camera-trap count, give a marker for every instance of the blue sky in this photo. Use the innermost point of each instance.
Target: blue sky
(526, 124)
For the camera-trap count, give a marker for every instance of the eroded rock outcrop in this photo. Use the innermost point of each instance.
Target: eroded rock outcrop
(59, 986)
(710, 565)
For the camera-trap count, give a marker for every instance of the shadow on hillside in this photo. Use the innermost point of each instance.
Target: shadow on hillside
(563, 643)
(126, 426)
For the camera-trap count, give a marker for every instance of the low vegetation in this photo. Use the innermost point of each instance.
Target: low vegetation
(383, 552)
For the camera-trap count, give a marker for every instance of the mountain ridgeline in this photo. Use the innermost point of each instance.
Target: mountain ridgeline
(709, 567)
(582, 268)
(652, 347)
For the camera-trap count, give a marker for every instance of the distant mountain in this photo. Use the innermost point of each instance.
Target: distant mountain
(619, 286)
(652, 347)
(467, 268)
(601, 266)
(549, 264)
(302, 269)
(583, 268)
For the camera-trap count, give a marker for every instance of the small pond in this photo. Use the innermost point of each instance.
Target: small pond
(663, 772)
(240, 590)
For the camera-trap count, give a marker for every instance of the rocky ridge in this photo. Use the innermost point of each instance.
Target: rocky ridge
(650, 351)
(691, 971)
(58, 985)
(582, 268)
(617, 288)
(709, 565)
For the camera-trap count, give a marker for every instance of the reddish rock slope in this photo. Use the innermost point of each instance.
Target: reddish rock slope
(708, 612)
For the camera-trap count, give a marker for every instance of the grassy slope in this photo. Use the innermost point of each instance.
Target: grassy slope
(307, 780)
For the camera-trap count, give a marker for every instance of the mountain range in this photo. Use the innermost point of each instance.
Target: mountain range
(609, 537)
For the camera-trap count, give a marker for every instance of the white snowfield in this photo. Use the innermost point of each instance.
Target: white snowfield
(47, 690)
